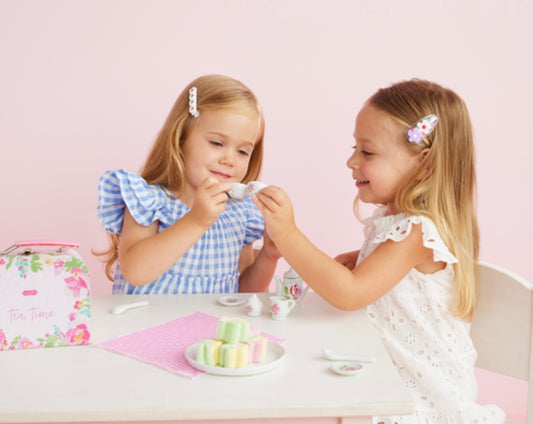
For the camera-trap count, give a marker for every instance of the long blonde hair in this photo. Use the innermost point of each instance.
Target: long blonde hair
(164, 164)
(447, 194)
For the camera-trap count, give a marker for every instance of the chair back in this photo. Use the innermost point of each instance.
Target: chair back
(502, 328)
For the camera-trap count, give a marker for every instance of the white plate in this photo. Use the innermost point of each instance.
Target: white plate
(347, 368)
(231, 300)
(274, 355)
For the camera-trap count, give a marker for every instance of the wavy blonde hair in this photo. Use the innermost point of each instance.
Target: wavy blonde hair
(447, 194)
(164, 164)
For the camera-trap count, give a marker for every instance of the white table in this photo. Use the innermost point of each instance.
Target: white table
(89, 384)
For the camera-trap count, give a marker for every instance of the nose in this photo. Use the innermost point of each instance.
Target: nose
(352, 161)
(227, 158)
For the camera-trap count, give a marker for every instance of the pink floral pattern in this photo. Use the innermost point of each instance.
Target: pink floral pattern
(295, 291)
(73, 271)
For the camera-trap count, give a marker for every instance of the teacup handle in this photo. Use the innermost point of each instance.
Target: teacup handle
(291, 303)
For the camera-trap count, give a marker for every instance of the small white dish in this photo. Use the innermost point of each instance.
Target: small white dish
(231, 300)
(275, 353)
(347, 368)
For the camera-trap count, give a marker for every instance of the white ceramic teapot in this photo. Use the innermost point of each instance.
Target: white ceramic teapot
(292, 286)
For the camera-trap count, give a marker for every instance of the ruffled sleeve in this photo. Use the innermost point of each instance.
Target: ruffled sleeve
(118, 189)
(255, 224)
(398, 227)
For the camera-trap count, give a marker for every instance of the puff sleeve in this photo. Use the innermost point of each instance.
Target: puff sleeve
(118, 189)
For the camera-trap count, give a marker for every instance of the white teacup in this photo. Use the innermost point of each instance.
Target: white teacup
(280, 307)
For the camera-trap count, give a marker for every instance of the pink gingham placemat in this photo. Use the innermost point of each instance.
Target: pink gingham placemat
(164, 345)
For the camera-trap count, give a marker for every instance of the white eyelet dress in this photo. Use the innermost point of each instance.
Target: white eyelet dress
(431, 349)
(210, 265)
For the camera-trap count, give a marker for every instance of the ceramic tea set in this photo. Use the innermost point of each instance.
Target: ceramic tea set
(289, 292)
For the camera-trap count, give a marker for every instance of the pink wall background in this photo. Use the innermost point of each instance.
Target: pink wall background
(86, 85)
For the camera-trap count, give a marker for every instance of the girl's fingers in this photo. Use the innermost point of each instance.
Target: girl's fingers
(264, 202)
(224, 188)
(220, 198)
(273, 192)
(214, 188)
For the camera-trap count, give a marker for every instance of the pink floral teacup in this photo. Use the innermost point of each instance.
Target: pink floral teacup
(280, 307)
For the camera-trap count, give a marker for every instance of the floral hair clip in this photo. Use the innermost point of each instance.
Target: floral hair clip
(421, 128)
(192, 103)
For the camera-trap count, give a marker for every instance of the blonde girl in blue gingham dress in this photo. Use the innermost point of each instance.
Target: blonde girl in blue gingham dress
(174, 229)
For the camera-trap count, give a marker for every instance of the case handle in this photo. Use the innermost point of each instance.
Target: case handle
(46, 243)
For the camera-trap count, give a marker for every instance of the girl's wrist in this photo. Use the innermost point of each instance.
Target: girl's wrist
(286, 237)
(271, 252)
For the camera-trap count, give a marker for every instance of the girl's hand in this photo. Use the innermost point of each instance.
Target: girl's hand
(277, 210)
(209, 201)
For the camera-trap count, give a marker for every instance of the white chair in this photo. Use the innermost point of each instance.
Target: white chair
(502, 328)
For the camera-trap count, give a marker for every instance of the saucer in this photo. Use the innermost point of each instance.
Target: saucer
(231, 300)
(347, 368)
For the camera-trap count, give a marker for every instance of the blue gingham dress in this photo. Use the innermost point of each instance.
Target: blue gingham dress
(210, 265)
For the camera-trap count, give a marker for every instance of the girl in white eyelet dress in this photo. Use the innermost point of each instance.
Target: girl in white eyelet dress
(415, 273)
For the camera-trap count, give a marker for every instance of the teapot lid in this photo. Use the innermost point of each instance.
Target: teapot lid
(291, 273)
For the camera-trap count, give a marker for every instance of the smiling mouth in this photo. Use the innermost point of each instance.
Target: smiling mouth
(221, 175)
(361, 182)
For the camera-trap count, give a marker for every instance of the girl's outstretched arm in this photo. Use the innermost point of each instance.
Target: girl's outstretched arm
(348, 259)
(257, 267)
(145, 254)
(343, 288)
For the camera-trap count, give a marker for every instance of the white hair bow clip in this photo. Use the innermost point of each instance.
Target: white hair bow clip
(240, 191)
(192, 103)
(422, 128)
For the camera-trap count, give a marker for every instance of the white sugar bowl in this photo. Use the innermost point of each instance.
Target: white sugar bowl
(253, 306)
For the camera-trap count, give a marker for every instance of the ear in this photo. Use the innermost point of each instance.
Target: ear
(426, 165)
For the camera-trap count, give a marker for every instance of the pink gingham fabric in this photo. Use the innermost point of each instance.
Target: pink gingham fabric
(164, 345)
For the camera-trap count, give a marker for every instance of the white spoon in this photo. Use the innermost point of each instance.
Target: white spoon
(119, 309)
(334, 356)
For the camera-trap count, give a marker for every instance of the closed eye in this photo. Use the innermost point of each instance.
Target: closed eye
(364, 152)
(245, 152)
